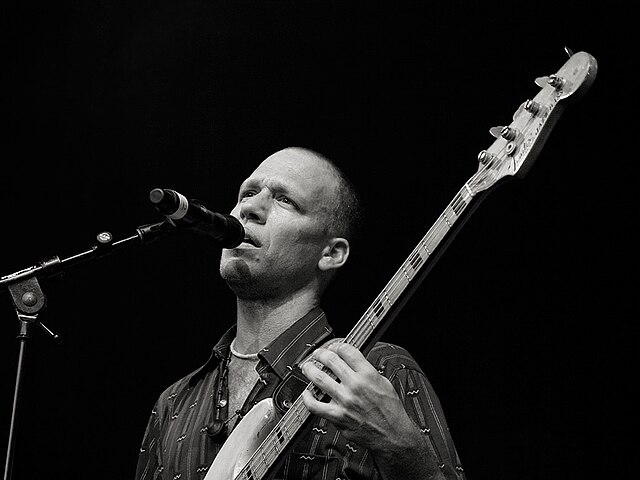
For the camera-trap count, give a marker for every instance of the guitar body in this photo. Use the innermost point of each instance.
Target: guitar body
(243, 441)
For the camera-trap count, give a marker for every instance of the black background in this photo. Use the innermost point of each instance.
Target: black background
(525, 326)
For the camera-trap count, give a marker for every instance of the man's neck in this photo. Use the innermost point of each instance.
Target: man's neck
(261, 322)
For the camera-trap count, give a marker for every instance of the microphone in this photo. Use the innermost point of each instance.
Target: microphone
(224, 229)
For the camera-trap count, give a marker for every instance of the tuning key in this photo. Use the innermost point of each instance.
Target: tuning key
(485, 157)
(495, 131)
(507, 133)
(554, 80)
(542, 81)
(532, 107)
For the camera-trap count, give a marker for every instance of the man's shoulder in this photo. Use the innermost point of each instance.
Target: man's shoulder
(176, 388)
(386, 356)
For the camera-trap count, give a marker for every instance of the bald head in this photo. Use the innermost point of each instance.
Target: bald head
(344, 211)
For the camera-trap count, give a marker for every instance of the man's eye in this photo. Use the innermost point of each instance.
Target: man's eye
(287, 200)
(247, 193)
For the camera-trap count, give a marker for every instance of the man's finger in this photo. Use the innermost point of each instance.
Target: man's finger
(333, 362)
(351, 356)
(320, 379)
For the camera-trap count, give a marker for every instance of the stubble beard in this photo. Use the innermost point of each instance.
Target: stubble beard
(242, 282)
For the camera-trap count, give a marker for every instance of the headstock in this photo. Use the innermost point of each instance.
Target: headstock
(518, 144)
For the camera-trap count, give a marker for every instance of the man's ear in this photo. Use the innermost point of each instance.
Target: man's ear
(335, 254)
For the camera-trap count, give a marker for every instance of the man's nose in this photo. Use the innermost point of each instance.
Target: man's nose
(255, 208)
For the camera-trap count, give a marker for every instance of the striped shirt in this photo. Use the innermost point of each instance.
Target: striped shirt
(190, 420)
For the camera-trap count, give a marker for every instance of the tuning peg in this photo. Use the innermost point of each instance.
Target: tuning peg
(529, 106)
(485, 157)
(495, 131)
(507, 133)
(532, 107)
(554, 80)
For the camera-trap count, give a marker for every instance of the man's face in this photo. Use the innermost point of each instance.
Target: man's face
(284, 206)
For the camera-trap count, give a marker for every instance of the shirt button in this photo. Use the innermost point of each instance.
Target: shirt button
(222, 403)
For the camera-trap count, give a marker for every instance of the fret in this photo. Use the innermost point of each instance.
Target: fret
(276, 447)
(406, 274)
(370, 322)
(392, 290)
(367, 324)
(400, 284)
(462, 200)
(252, 467)
(300, 417)
(436, 234)
(423, 244)
(352, 338)
(468, 190)
(386, 297)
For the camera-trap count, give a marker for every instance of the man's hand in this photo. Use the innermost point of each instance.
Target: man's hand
(364, 405)
(368, 411)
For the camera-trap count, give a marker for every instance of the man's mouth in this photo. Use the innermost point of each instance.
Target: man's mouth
(250, 241)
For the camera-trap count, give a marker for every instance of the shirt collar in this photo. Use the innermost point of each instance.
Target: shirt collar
(219, 352)
(296, 343)
(292, 346)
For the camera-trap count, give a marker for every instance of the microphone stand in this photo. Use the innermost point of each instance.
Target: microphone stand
(29, 300)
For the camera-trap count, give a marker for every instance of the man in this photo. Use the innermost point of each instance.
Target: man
(383, 419)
